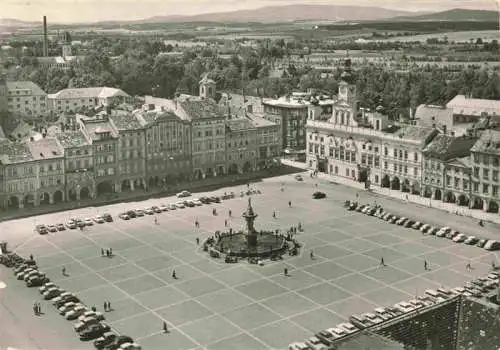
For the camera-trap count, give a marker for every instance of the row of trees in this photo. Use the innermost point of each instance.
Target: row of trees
(141, 69)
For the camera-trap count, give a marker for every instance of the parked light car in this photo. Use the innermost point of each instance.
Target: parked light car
(83, 324)
(417, 225)
(492, 245)
(88, 222)
(172, 206)
(156, 209)
(292, 346)
(481, 243)
(348, 327)
(299, 177)
(64, 298)
(41, 229)
(459, 238)
(94, 331)
(197, 202)
(134, 346)
(452, 234)
(315, 344)
(99, 219)
(394, 219)
(68, 307)
(148, 211)
(180, 205)
(124, 216)
(95, 314)
(443, 231)
(139, 212)
(365, 209)
(107, 217)
(405, 306)
(52, 228)
(373, 318)
(402, 221)
(409, 223)
(77, 311)
(23, 267)
(183, 194)
(46, 287)
(383, 313)
(360, 321)
(71, 225)
(416, 303)
(433, 230)
(121, 339)
(164, 207)
(60, 227)
(20, 275)
(424, 228)
(37, 281)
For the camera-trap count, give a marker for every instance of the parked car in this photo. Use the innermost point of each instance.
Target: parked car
(75, 313)
(164, 207)
(46, 286)
(373, 317)
(148, 211)
(394, 219)
(71, 225)
(131, 346)
(94, 331)
(88, 222)
(459, 238)
(383, 313)
(425, 228)
(292, 346)
(402, 221)
(107, 217)
(189, 204)
(121, 339)
(20, 275)
(68, 307)
(23, 267)
(481, 243)
(99, 219)
(183, 194)
(452, 234)
(433, 230)
(206, 200)
(492, 245)
(215, 199)
(139, 212)
(61, 300)
(408, 223)
(360, 321)
(319, 195)
(471, 240)
(41, 229)
(405, 306)
(124, 216)
(417, 225)
(84, 324)
(131, 214)
(180, 205)
(106, 339)
(37, 281)
(443, 231)
(95, 314)
(60, 227)
(315, 343)
(172, 206)
(197, 202)
(299, 177)
(348, 327)
(35, 273)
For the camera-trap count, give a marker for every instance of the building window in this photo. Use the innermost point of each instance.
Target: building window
(465, 184)
(486, 174)
(494, 191)
(476, 187)
(448, 180)
(376, 179)
(415, 157)
(386, 151)
(347, 172)
(406, 170)
(495, 175)
(476, 172)
(406, 155)
(486, 188)
(415, 171)
(486, 159)
(377, 162)
(385, 165)
(476, 158)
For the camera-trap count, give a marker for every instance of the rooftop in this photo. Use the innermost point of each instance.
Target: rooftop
(149, 117)
(413, 132)
(92, 92)
(123, 120)
(445, 147)
(14, 152)
(489, 142)
(98, 126)
(429, 113)
(46, 148)
(201, 109)
(71, 139)
(259, 121)
(473, 106)
(25, 85)
(297, 100)
(239, 124)
(365, 341)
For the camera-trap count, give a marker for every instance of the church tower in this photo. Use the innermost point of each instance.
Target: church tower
(207, 87)
(347, 85)
(66, 45)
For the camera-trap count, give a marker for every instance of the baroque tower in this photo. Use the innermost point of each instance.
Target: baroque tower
(347, 85)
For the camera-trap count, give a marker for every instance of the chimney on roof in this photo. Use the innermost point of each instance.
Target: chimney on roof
(45, 38)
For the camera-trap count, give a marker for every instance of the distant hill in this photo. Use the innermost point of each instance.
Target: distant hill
(11, 22)
(290, 13)
(455, 15)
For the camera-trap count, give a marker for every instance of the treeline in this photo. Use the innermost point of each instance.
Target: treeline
(140, 69)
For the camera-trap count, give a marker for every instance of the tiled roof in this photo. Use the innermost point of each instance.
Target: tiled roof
(446, 147)
(149, 117)
(46, 148)
(473, 106)
(94, 127)
(460, 162)
(14, 152)
(71, 139)
(201, 109)
(25, 85)
(92, 92)
(123, 120)
(239, 124)
(489, 142)
(413, 132)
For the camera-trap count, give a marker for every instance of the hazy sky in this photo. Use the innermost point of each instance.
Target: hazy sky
(97, 10)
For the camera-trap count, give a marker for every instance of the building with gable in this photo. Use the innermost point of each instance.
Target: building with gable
(76, 99)
(25, 98)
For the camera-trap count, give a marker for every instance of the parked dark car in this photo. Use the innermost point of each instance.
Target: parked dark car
(107, 217)
(41, 229)
(131, 214)
(94, 331)
(122, 339)
(63, 301)
(319, 195)
(106, 339)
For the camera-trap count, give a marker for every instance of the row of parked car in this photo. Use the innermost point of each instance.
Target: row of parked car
(324, 339)
(73, 224)
(89, 325)
(181, 204)
(444, 232)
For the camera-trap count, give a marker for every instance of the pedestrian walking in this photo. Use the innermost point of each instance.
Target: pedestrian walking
(109, 306)
(174, 275)
(426, 267)
(382, 262)
(102, 252)
(110, 252)
(156, 220)
(165, 327)
(107, 253)
(285, 271)
(106, 306)
(274, 214)
(230, 213)
(493, 265)
(311, 254)
(35, 309)
(31, 257)
(468, 267)
(289, 204)
(225, 223)
(94, 308)
(64, 271)
(197, 241)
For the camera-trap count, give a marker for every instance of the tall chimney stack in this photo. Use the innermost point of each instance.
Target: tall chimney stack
(45, 38)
